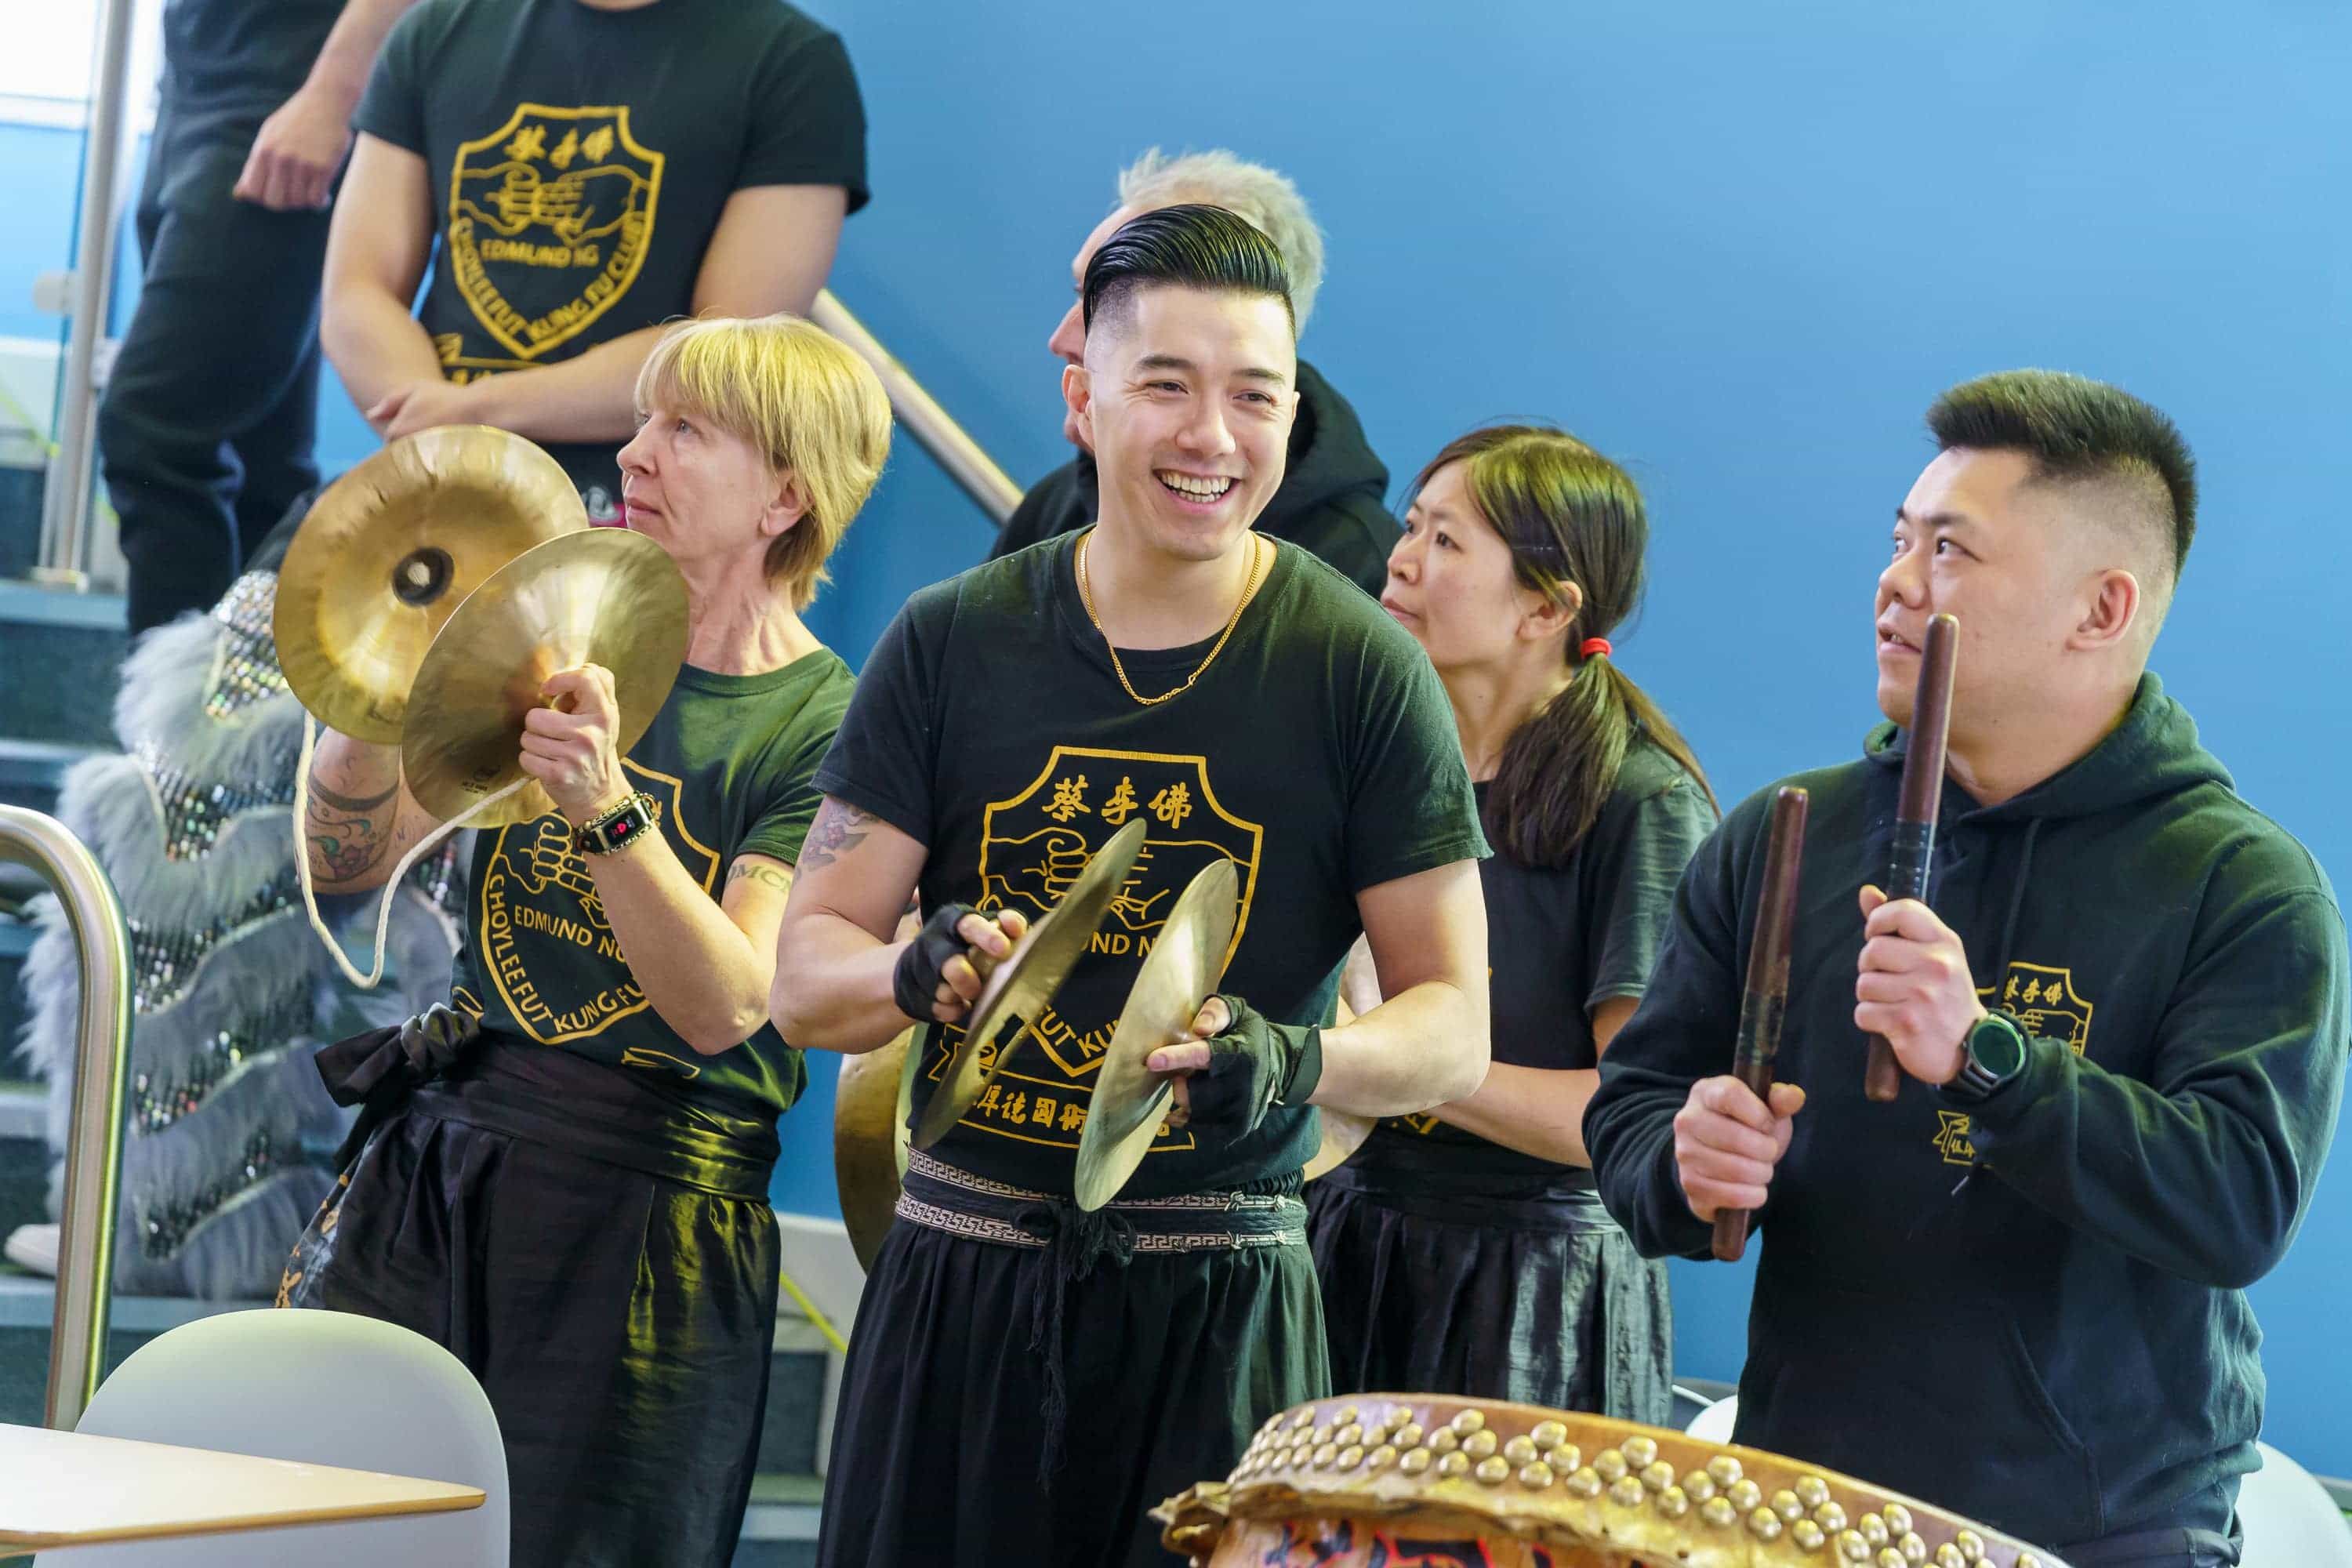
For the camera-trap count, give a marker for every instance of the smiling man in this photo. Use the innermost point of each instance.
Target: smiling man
(2019, 1290)
(1026, 1379)
(1330, 499)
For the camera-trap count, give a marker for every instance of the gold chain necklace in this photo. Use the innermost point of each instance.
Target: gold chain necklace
(1249, 592)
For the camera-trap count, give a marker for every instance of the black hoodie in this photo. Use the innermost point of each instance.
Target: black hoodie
(1330, 501)
(2032, 1309)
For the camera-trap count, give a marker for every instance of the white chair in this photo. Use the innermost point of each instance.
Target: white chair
(327, 1388)
(2289, 1519)
(1713, 1424)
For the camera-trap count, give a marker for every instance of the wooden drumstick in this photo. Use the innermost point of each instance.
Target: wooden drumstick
(1915, 812)
(1765, 999)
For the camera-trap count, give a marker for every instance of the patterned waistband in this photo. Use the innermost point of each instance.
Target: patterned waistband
(942, 1197)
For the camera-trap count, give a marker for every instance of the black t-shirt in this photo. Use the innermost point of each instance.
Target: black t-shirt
(246, 56)
(730, 762)
(1559, 943)
(1317, 752)
(580, 159)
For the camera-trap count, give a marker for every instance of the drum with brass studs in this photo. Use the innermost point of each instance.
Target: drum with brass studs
(1397, 1480)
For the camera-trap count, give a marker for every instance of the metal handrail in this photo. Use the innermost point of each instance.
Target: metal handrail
(974, 472)
(65, 502)
(94, 1141)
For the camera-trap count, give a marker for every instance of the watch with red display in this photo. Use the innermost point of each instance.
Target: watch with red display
(618, 828)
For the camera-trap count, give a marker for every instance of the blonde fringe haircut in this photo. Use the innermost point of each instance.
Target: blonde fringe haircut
(800, 395)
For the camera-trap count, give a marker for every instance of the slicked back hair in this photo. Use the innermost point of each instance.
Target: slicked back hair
(2074, 429)
(1193, 245)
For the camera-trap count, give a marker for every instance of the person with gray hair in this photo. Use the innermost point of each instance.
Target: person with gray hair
(1330, 502)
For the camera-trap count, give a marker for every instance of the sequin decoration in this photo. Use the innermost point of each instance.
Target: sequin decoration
(164, 963)
(162, 1231)
(244, 661)
(157, 1102)
(438, 879)
(196, 810)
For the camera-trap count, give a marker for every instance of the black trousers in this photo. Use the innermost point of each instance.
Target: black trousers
(603, 1259)
(1169, 1362)
(211, 409)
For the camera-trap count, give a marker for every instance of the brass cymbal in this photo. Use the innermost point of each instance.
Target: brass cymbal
(390, 552)
(1024, 984)
(869, 1140)
(602, 595)
(1181, 973)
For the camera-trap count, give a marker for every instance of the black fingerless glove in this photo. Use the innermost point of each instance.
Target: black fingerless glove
(915, 984)
(1254, 1065)
(434, 1038)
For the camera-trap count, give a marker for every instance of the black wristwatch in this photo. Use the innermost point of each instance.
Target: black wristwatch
(1991, 1055)
(618, 828)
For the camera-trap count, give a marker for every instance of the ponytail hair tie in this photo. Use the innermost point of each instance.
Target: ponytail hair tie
(1594, 647)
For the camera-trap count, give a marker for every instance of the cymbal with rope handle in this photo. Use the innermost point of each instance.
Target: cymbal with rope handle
(602, 597)
(389, 551)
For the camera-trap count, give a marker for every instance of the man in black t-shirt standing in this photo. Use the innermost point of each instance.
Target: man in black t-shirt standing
(212, 405)
(1028, 1379)
(576, 172)
(1331, 498)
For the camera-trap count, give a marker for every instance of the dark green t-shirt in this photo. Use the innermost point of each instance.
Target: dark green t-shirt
(580, 160)
(730, 762)
(1317, 752)
(1558, 943)
(241, 58)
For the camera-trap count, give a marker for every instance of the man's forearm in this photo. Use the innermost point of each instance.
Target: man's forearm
(1423, 1047)
(342, 69)
(833, 990)
(1536, 1111)
(694, 963)
(590, 399)
(375, 346)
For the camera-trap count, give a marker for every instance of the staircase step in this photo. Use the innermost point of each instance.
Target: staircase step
(62, 651)
(32, 771)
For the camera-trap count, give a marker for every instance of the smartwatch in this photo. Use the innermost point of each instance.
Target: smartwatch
(618, 828)
(1991, 1054)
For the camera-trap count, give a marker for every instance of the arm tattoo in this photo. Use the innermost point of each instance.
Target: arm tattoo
(839, 828)
(346, 847)
(346, 802)
(774, 877)
(346, 838)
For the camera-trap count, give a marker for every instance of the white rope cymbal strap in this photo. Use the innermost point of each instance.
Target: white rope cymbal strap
(374, 975)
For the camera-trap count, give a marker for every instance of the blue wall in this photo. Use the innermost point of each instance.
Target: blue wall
(1741, 248)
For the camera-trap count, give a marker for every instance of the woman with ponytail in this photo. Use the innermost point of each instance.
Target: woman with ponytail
(1465, 1252)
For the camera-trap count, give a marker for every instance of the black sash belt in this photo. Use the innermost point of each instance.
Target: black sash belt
(552, 1097)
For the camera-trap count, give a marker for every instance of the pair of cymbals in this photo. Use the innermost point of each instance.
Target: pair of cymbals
(434, 587)
(1023, 986)
(1178, 975)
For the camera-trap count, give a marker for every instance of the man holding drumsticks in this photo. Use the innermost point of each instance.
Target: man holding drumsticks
(2018, 1291)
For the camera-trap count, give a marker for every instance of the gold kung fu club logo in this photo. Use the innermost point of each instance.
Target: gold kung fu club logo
(2044, 1000)
(1033, 847)
(542, 938)
(554, 203)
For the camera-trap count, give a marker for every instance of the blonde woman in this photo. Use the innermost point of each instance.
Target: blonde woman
(566, 1177)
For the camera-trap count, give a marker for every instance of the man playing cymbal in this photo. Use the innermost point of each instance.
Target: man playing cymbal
(2018, 1291)
(1027, 1378)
